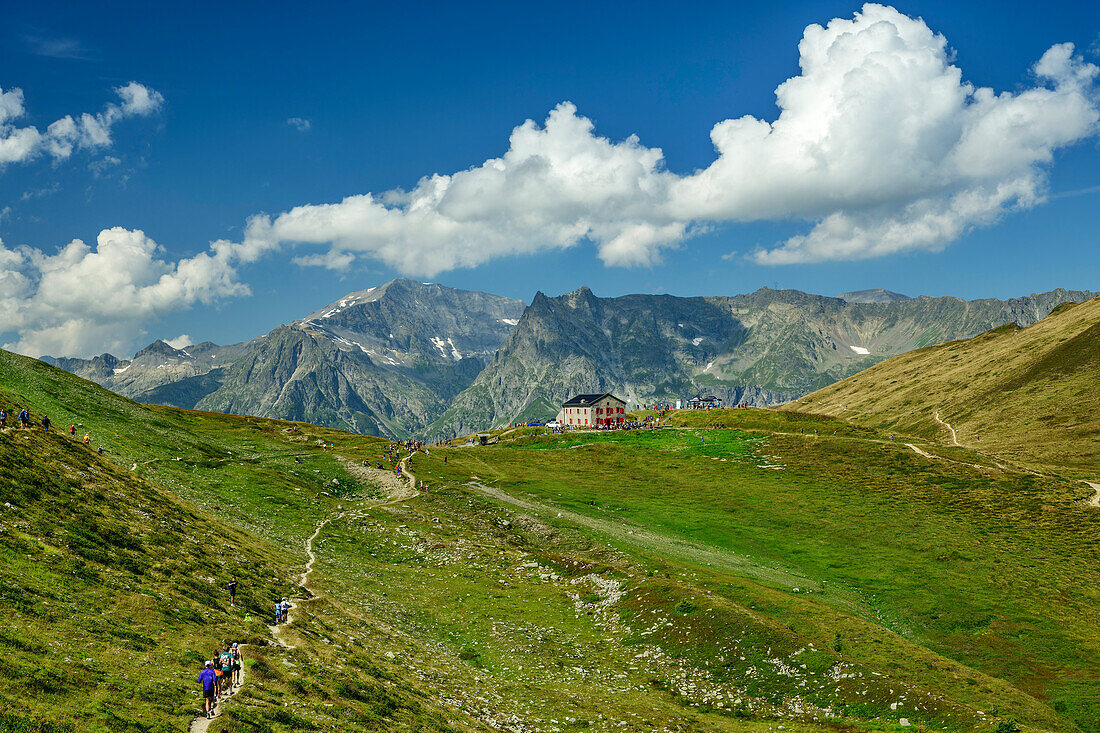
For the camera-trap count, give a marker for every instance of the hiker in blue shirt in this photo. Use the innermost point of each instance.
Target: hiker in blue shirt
(207, 678)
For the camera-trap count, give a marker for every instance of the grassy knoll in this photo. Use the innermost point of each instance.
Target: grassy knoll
(990, 568)
(1027, 395)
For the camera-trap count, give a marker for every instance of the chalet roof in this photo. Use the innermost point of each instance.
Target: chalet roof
(707, 398)
(584, 400)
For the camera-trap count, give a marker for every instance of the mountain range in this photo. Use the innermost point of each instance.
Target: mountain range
(420, 359)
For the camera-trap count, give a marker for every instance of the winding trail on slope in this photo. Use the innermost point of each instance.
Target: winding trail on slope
(1095, 500)
(954, 436)
(921, 452)
(397, 490)
(925, 454)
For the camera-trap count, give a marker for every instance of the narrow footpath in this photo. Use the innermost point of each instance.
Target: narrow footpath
(954, 435)
(1095, 500)
(396, 491)
(399, 491)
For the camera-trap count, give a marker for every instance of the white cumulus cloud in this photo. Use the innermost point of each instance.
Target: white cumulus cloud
(556, 185)
(180, 341)
(61, 137)
(880, 146)
(88, 299)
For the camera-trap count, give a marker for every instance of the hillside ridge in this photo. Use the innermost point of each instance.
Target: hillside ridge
(1027, 394)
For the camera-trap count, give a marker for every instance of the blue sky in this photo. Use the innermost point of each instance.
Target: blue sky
(395, 92)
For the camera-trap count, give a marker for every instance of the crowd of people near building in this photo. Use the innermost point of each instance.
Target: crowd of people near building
(631, 425)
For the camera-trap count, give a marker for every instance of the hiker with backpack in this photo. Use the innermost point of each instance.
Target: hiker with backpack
(225, 659)
(24, 418)
(3, 419)
(238, 660)
(46, 423)
(232, 585)
(219, 680)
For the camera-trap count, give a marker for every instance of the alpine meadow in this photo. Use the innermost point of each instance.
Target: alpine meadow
(706, 368)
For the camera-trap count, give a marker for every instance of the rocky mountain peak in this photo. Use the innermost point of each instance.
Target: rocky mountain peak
(581, 298)
(159, 348)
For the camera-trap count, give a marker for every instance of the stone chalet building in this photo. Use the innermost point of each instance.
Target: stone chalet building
(701, 402)
(592, 411)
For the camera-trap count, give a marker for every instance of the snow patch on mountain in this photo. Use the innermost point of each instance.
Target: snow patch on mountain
(441, 344)
(859, 350)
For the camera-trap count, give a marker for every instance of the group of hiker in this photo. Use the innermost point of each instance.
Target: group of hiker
(393, 454)
(220, 676)
(23, 417)
(282, 608)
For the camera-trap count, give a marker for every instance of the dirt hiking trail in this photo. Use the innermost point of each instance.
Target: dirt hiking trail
(1095, 500)
(400, 487)
(954, 435)
(397, 488)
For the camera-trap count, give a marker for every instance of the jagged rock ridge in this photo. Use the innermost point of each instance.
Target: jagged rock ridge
(762, 348)
(409, 358)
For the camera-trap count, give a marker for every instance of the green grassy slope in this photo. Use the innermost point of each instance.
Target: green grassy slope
(112, 567)
(976, 584)
(110, 592)
(686, 579)
(1026, 395)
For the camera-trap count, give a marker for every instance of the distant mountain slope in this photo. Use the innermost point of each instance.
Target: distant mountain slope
(1030, 394)
(381, 361)
(874, 295)
(157, 366)
(761, 348)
